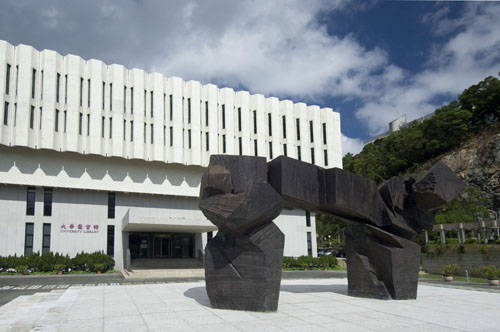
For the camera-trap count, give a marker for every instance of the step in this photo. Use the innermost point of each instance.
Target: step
(163, 273)
(151, 264)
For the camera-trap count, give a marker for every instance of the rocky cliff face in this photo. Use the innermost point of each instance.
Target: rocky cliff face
(477, 162)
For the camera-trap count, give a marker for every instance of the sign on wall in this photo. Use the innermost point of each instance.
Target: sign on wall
(80, 228)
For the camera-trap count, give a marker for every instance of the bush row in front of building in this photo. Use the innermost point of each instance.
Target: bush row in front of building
(308, 262)
(48, 262)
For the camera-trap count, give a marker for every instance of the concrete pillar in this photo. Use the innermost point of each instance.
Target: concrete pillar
(441, 232)
(426, 235)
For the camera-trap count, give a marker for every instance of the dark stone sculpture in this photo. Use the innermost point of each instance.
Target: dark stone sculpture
(243, 261)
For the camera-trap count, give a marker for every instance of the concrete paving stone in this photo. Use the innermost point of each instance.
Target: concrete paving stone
(341, 326)
(125, 323)
(81, 325)
(257, 326)
(308, 328)
(165, 321)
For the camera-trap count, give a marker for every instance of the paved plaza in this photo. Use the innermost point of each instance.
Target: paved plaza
(305, 305)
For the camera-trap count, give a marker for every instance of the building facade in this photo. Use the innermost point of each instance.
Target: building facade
(99, 157)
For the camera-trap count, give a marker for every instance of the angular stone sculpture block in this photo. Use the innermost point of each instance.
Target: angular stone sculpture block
(243, 261)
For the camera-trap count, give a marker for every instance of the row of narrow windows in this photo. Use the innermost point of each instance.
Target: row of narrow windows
(131, 93)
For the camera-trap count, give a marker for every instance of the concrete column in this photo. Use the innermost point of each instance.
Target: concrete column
(426, 235)
(441, 232)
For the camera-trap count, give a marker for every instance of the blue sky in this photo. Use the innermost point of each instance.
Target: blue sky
(370, 60)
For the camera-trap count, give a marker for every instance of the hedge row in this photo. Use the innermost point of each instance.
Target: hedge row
(50, 261)
(308, 262)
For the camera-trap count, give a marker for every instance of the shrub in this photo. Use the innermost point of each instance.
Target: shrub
(490, 272)
(308, 262)
(448, 270)
(59, 267)
(98, 267)
(22, 269)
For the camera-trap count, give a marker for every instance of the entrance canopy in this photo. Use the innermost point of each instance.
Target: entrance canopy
(136, 221)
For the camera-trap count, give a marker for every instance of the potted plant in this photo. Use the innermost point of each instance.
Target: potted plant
(98, 267)
(59, 268)
(492, 274)
(22, 269)
(448, 271)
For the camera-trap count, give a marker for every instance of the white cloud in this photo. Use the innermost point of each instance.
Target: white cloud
(351, 145)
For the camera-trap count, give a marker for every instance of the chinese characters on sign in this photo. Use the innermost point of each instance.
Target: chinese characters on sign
(80, 228)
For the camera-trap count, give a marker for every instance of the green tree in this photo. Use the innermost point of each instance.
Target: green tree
(467, 207)
(329, 229)
(483, 99)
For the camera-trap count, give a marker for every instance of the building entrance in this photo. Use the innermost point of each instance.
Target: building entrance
(161, 245)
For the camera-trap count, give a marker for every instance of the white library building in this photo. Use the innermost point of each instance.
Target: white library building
(96, 157)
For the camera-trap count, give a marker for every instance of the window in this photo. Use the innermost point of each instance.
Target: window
(164, 106)
(58, 86)
(308, 219)
(255, 123)
(284, 126)
(145, 133)
(46, 238)
(171, 136)
(309, 244)
(210, 236)
(270, 150)
(299, 155)
(56, 125)
(33, 83)
(145, 94)
(240, 146)
(103, 94)
(81, 91)
(255, 147)
(111, 241)
(110, 127)
(17, 77)
(189, 110)
(102, 126)
(223, 143)
(111, 205)
(164, 135)
(324, 133)
(15, 114)
(269, 124)
(6, 113)
(284, 150)
(28, 238)
(88, 92)
(124, 99)
(206, 142)
(311, 133)
(110, 96)
(206, 113)
(131, 100)
(40, 119)
(65, 120)
(151, 103)
(41, 85)
(131, 131)
(223, 116)
(312, 155)
(124, 130)
(80, 123)
(7, 80)
(30, 201)
(66, 88)
(152, 134)
(171, 104)
(239, 119)
(189, 138)
(32, 117)
(88, 124)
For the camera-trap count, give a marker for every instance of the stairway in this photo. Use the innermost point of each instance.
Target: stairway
(151, 268)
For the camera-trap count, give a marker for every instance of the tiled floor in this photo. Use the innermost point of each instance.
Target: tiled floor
(305, 305)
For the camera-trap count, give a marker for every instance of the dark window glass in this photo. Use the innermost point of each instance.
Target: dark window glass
(324, 133)
(131, 131)
(28, 238)
(110, 96)
(145, 126)
(56, 125)
(240, 146)
(171, 103)
(30, 201)
(111, 205)
(206, 113)
(255, 123)
(152, 134)
(284, 150)
(223, 116)
(308, 219)
(270, 125)
(299, 154)
(309, 244)
(32, 117)
(312, 155)
(88, 92)
(189, 110)
(239, 119)
(6, 113)
(40, 119)
(110, 127)
(145, 94)
(88, 124)
(164, 135)
(223, 143)
(58, 86)
(33, 83)
(206, 142)
(103, 119)
(284, 126)
(270, 150)
(111, 241)
(151, 103)
(325, 153)
(41, 85)
(103, 94)
(311, 133)
(7, 80)
(80, 123)
(189, 138)
(81, 91)
(65, 120)
(171, 136)
(210, 236)
(256, 152)
(124, 99)
(47, 202)
(66, 89)
(131, 100)
(46, 238)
